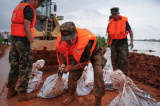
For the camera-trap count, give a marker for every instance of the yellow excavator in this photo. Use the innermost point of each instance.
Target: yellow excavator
(46, 31)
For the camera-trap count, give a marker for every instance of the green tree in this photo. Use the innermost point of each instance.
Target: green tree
(101, 41)
(1, 39)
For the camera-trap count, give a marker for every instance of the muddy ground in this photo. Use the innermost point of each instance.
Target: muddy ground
(3, 49)
(144, 71)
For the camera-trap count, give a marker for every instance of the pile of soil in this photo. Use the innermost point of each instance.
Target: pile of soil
(145, 68)
(3, 49)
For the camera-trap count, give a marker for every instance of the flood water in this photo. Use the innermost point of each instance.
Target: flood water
(145, 46)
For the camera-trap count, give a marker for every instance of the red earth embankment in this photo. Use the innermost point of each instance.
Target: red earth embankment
(145, 68)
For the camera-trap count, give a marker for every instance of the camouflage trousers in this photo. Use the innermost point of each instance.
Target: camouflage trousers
(20, 60)
(98, 62)
(120, 58)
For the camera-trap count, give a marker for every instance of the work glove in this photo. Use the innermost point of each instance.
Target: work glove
(33, 48)
(64, 68)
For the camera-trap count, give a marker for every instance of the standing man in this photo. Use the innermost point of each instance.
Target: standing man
(82, 45)
(22, 48)
(5, 37)
(118, 29)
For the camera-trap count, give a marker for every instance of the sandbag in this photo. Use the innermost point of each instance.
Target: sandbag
(129, 93)
(85, 83)
(65, 80)
(36, 76)
(52, 87)
(107, 70)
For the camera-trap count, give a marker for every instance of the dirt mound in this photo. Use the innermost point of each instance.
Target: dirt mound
(145, 68)
(3, 48)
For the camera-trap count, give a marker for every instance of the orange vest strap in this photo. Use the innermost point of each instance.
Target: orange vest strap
(81, 65)
(58, 60)
(67, 61)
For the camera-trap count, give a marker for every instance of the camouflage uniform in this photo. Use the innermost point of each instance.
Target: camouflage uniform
(20, 60)
(98, 62)
(120, 58)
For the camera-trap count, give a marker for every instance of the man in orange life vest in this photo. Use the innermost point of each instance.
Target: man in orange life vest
(117, 30)
(22, 48)
(82, 45)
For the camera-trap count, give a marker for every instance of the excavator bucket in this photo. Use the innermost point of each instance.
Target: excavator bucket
(46, 50)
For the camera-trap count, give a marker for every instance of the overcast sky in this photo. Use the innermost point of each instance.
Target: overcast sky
(143, 15)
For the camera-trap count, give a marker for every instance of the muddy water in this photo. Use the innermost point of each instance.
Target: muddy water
(4, 70)
(145, 46)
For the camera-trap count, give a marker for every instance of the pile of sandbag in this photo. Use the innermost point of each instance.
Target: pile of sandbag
(129, 93)
(56, 83)
(36, 76)
(86, 82)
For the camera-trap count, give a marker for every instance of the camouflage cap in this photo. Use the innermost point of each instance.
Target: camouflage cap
(68, 30)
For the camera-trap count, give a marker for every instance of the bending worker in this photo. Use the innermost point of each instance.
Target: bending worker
(118, 29)
(22, 48)
(82, 45)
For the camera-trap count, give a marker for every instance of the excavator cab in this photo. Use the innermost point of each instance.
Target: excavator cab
(47, 25)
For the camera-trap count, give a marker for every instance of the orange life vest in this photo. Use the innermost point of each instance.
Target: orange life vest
(17, 26)
(84, 35)
(117, 29)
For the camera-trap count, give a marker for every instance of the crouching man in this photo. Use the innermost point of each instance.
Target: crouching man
(82, 45)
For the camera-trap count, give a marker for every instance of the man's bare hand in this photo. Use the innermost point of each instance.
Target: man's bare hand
(131, 44)
(33, 48)
(107, 45)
